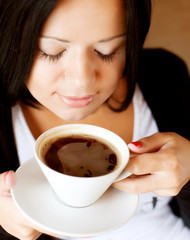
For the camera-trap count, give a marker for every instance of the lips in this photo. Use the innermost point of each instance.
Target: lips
(76, 102)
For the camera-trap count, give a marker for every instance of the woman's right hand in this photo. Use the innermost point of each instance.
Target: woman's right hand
(11, 220)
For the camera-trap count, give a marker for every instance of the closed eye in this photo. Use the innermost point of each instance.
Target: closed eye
(105, 57)
(50, 57)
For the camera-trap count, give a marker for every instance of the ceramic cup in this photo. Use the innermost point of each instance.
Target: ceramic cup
(82, 191)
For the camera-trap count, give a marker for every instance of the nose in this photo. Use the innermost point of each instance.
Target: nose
(81, 69)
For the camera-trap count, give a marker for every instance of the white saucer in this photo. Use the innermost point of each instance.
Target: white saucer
(36, 200)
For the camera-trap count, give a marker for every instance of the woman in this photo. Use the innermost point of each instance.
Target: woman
(77, 61)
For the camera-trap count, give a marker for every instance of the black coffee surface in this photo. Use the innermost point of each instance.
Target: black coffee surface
(82, 157)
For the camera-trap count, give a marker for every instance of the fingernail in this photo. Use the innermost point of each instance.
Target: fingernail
(137, 144)
(5, 175)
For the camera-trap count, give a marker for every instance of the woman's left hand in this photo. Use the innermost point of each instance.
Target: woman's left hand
(162, 165)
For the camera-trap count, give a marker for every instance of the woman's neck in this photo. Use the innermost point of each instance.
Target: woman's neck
(41, 119)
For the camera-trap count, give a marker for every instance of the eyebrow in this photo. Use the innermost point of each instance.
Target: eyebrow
(101, 41)
(112, 38)
(54, 38)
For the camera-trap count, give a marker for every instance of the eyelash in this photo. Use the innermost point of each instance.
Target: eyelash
(106, 57)
(54, 58)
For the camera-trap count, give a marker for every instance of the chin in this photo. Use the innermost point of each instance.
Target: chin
(76, 114)
(74, 117)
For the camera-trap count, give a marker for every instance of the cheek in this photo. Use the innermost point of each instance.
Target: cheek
(41, 77)
(117, 74)
(116, 68)
(122, 61)
(116, 71)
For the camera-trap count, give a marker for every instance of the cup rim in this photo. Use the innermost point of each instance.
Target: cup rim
(122, 146)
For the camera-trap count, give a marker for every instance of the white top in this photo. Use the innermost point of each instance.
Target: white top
(150, 223)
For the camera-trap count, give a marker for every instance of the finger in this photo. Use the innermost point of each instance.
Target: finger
(7, 181)
(173, 191)
(152, 162)
(148, 183)
(135, 185)
(23, 232)
(151, 144)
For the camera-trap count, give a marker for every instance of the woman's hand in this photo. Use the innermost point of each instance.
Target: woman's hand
(10, 218)
(162, 165)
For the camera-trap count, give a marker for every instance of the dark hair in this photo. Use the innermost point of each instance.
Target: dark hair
(138, 23)
(20, 24)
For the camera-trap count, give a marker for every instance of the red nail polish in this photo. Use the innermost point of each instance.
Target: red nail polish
(5, 175)
(137, 144)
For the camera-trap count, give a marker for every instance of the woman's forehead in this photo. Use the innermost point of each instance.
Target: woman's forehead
(97, 18)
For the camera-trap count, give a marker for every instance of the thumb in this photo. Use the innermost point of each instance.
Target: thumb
(7, 181)
(150, 144)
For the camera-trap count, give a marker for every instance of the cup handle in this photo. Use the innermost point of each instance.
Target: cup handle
(124, 174)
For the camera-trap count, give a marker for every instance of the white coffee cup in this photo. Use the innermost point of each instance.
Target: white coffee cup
(83, 191)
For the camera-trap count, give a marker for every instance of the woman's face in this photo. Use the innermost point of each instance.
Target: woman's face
(80, 57)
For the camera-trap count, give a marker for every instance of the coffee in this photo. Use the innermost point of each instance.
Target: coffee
(102, 153)
(80, 156)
